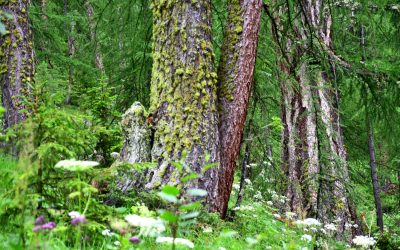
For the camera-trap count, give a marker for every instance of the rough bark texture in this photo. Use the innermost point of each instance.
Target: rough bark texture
(92, 27)
(314, 155)
(374, 175)
(235, 80)
(16, 62)
(136, 147)
(183, 93)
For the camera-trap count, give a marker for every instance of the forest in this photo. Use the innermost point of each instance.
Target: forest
(200, 124)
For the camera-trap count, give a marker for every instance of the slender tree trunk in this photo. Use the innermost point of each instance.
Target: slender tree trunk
(183, 94)
(235, 80)
(70, 27)
(374, 174)
(98, 56)
(244, 170)
(17, 65)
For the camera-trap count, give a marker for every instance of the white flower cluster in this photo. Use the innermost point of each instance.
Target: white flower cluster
(148, 226)
(258, 196)
(364, 241)
(180, 241)
(290, 215)
(308, 222)
(244, 208)
(306, 237)
(330, 227)
(76, 166)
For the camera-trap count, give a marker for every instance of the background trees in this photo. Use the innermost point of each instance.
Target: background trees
(297, 68)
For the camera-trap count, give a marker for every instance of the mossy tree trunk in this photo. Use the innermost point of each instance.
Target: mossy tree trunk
(16, 62)
(235, 76)
(184, 93)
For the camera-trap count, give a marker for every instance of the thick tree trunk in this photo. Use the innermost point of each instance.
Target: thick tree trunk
(235, 80)
(183, 94)
(374, 174)
(17, 65)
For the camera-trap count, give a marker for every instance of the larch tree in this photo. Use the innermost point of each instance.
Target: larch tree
(183, 105)
(314, 155)
(17, 65)
(235, 74)
(188, 97)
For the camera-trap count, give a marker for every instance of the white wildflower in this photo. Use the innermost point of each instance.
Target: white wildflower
(76, 166)
(236, 186)
(306, 237)
(308, 222)
(290, 215)
(207, 230)
(74, 214)
(268, 247)
(248, 166)
(275, 196)
(106, 232)
(251, 241)
(114, 155)
(253, 165)
(282, 200)
(258, 196)
(248, 181)
(331, 227)
(355, 225)
(180, 241)
(148, 226)
(277, 216)
(364, 241)
(221, 248)
(323, 231)
(117, 243)
(270, 203)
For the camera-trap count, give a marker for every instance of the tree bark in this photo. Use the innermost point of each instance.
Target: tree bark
(70, 27)
(183, 103)
(235, 80)
(17, 65)
(314, 155)
(92, 27)
(374, 174)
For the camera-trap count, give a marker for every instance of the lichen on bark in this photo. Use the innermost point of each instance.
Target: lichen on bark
(183, 92)
(17, 65)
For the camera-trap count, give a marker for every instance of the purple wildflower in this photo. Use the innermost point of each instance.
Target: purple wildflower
(79, 220)
(134, 240)
(40, 220)
(49, 225)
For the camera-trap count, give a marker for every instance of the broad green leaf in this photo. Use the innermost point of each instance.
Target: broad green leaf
(169, 216)
(191, 176)
(191, 206)
(209, 166)
(168, 197)
(171, 190)
(190, 215)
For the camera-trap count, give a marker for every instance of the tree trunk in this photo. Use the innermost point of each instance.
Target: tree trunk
(374, 174)
(244, 170)
(70, 27)
(17, 65)
(314, 156)
(235, 80)
(92, 27)
(183, 94)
